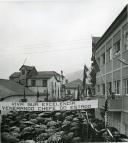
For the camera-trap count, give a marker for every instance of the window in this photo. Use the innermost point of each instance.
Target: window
(98, 88)
(23, 72)
(126, 86)
(117, 47)
(103, 89)
(103, 59)
(117, 87)
(44, 83)
(126, 41)
(52, 90)
(110, 54)
(55, 87)
(33, 82)
(22, 81)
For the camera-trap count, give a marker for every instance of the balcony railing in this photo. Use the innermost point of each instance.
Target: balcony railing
(125, 103)
(113, 104)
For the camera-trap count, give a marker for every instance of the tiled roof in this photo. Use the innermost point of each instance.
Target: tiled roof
(15, 74)
(8, 88)
(74, 84)
(40, 74)
(45, 74)
(29, 68)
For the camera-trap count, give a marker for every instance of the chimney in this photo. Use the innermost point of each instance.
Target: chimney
(61, 73)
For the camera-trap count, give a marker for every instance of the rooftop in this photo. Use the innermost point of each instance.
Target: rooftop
(45, 74)
(27, 67)
(74, 84)
(8, 88)
(116, 23)
(95, 39)
(15, 74)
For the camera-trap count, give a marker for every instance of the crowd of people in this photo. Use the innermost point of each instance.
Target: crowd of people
(56, 127)
(45, 127)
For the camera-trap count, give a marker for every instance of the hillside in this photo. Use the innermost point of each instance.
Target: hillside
(76, 75)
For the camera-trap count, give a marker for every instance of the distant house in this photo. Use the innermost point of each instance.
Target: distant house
(43, 83)
(15, 76)
(12, 91)
(74, 89)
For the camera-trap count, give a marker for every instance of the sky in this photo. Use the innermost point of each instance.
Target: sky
(52, 34)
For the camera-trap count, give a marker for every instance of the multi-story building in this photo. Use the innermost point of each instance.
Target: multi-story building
(111, 54)
(48, 84)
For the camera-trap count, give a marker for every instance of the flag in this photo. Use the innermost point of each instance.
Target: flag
(92, 72)
(96, 66)
(95, 69)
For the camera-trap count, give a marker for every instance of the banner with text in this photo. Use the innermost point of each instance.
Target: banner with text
(48, 106)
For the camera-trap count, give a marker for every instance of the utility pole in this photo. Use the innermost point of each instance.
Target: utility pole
(47, 94)
(25, 82)
(37, 94)
(78, 93)
(24, 94)
(61, 83)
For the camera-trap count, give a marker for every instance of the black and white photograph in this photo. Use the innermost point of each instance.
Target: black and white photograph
(64, 71)
(48, 127)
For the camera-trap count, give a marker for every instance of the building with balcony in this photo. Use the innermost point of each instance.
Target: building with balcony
(111, 55)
